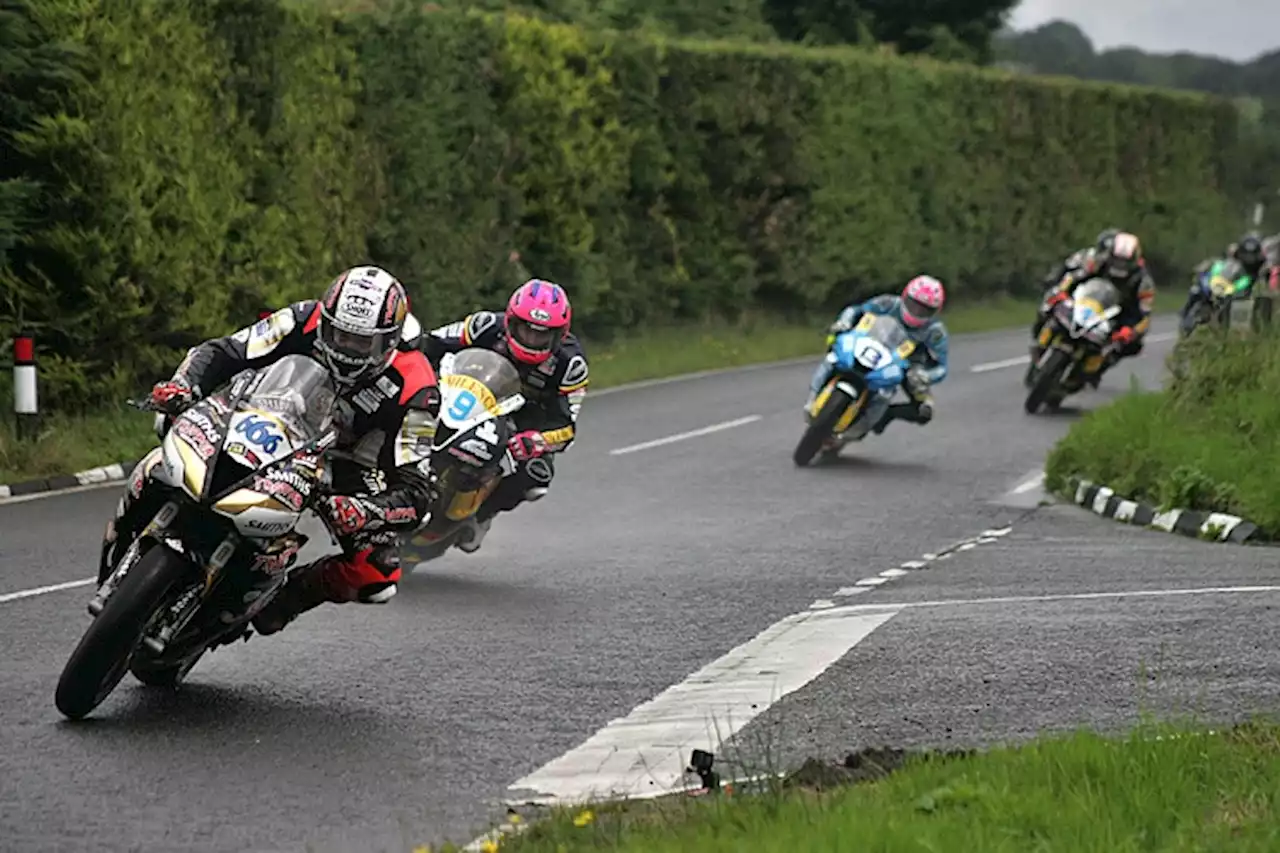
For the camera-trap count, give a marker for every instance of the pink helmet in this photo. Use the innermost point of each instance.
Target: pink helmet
(538, 316)
(922, 300)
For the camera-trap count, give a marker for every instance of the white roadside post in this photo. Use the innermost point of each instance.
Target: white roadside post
(26, 407)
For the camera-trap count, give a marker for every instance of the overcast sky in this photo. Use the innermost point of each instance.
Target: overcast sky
(1235, 29)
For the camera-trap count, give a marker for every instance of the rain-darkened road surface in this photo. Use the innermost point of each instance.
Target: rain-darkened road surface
(365, 728)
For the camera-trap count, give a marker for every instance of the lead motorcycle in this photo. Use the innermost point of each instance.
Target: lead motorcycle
(1076, 339)
(229, 483)
(869, 361)
(480, 391)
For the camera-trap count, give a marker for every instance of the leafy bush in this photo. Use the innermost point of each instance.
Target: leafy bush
(224, 156)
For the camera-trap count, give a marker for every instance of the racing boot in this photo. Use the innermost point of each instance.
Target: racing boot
(307, 588)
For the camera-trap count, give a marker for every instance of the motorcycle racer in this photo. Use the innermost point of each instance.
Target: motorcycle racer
(1084, 260)
(1123, 265)
(387, 407)
(1248, 251)
(918, 308)
(534, 334)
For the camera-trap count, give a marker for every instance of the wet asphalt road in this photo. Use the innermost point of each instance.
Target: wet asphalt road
(365, 728)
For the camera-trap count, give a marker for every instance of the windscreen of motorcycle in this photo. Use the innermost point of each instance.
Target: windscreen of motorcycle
(474, 386)
(881, 336)
(299, 392)
(1091, 300)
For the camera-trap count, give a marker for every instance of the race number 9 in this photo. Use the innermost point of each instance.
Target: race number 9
(462, 405)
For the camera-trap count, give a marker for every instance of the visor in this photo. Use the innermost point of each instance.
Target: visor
(918, 309)
(531, 337)
(350, 353)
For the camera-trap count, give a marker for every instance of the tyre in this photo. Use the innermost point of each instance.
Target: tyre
(102, 656)
(820, 427)
(1047, 379)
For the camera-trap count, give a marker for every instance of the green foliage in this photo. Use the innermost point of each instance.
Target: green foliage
(231, 155)
(201, 176)
(37, 72)
(1205, 443)
(947, 29)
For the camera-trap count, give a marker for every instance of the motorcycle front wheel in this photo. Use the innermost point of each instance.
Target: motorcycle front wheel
(1047, 378)
(102, 657)
(820, 427)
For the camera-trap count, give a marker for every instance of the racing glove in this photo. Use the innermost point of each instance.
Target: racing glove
(1055, 297)
(173, 395)
(347, 514)
(1123, 335)
(527, 445)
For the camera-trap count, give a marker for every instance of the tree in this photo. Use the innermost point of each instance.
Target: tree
(952, 29)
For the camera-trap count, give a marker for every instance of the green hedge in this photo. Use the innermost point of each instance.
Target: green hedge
(1206, 443)
(224, 156)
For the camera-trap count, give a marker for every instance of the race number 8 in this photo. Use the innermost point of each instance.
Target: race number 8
(869, 354)
(462, 405)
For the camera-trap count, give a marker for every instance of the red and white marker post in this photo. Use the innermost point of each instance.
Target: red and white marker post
(26, 406)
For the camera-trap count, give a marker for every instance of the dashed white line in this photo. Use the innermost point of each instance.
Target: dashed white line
(906, 568)
(895, 607)
(999, 365)
(988, 366)
(681, 436)
(41, 590)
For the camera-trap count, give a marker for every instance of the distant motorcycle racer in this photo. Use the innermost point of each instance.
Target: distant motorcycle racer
(534, 334)
(918, 308)
(1124, 266)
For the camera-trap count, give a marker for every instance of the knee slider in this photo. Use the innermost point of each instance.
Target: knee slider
(539, 471)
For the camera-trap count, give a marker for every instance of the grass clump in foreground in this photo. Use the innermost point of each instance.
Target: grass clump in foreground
(1207, 442)
(116, 433)
(1184, 791)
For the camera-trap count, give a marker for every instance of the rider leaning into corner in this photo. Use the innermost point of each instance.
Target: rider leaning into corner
(918, 309)
(1121, 263)
(387, 408)
(1086, 260)
(534, 334)
(1248, 251)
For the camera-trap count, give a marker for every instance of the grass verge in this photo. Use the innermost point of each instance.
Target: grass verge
(1159, 788)
(1204, 443)
(75, 443)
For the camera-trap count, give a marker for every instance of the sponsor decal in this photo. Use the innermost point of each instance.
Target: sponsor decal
(282, 491)
(194, 436)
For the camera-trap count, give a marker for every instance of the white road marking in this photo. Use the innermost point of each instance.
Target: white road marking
(41, 590)
(1035, 481)
(999, 365)
(645, 753)
(681, 436)
(988, 366)
(895, 607)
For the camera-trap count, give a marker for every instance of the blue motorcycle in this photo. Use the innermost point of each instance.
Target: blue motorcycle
(870, 362)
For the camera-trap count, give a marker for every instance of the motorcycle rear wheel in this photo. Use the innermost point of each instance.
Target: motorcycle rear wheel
(820, 427)
(102, 657)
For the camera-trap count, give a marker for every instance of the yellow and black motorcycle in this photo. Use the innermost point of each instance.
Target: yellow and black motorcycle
(1075, 341)
(479, 390)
